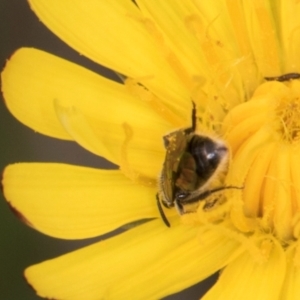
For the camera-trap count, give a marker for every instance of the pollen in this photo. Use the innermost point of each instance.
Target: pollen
(288, 113)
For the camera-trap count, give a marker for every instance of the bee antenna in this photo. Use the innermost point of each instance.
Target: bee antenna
(194, 117)
(161, 212)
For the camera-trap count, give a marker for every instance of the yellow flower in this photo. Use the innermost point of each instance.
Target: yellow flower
(216, 53)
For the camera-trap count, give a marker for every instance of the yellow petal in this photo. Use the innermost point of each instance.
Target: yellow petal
(185, 265)
(230, 64)
(261, 18)
(255, 182)
(295, 174)
(79, 129)
(290, 35)
(74, 202)
(291, 285)
(113, 33)
(31, 93)
(246, 154)
(92, 272)
(248, 279)
(170, 23)
(277, 203)
(147, 262)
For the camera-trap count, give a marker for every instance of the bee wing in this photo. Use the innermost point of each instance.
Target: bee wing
(176, 143)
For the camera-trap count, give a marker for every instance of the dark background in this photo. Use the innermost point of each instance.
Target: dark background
(21, 246)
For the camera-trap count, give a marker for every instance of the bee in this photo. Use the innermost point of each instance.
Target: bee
(192, 162)
(285, 77)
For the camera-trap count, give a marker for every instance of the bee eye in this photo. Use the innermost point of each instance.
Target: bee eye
(216, 154)
(182, 194)
(210, 156)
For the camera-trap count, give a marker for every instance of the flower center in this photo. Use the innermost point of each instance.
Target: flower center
(288, 113)
(264, 135)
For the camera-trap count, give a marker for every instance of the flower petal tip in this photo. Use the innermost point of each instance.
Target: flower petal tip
(3, 69)
(28, 283)
(20, 216)
(33, 288)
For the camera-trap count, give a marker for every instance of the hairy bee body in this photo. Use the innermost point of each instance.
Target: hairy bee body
(192, 162)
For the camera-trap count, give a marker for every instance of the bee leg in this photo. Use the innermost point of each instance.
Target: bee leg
(179, 207)
(194, 120)
(206, 194)
(285, 77)
(194, 117)
(161, 212)
(208, 205)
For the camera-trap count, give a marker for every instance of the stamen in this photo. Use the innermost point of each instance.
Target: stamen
(220, 66)
(170, 56)
(124, 163)
(265, 149)
(211, 51)
(166, 52)
(288, 112)
(138, 90)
